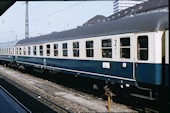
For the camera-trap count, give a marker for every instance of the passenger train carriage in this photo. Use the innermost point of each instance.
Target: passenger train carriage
(131, 50)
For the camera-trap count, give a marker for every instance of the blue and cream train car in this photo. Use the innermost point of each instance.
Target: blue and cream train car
(7, 51)
(128, 51)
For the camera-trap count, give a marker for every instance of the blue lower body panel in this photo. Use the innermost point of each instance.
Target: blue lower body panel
(87, 68)
(149, 73)
(145, 73)
(7, 58)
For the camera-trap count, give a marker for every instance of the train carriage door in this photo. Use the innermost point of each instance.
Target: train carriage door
(142, 43)
(148, 58)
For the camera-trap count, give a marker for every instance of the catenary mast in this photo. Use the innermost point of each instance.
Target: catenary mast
(26, 21)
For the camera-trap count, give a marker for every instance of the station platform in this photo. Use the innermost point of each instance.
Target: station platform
(8, 104)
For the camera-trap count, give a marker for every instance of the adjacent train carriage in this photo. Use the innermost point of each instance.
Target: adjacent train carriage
(7, 52)
(131, 50)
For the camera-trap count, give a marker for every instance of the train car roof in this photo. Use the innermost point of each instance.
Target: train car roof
(8, 44)
(140, 23)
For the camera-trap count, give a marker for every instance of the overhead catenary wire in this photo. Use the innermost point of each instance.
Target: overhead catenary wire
(70, 21)
(53, 25)
(56, 12)
(61, 10)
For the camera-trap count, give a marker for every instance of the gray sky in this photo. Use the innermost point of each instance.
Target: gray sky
(49, 16)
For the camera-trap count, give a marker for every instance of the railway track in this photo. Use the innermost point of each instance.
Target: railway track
(54, 106)
(81, 102)
(136, 104)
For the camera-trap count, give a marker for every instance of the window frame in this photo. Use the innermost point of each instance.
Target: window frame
(76, 49)
(55, 49)
(90, 49)
(24, 50)
(127, 47)
(105, 48)
(41, 52)
(139, 49)
(65, 49)
(35, 50)
(29, 50)
(48, 50)
(20, 50)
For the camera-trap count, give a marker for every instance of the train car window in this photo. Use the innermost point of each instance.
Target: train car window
(4, 51)
(41, 50)
(17, 51)
(125, 47)
(76, 49)
(65, 51)
(8, 50)
(20, 50)
(89, 49)
(34, 50)
(48, 50)
(24, 50)
(55, 49)
(107, 48)
(142, 49)
(13, 51)
(29, 50)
